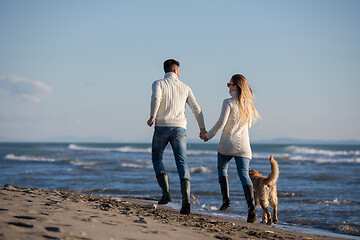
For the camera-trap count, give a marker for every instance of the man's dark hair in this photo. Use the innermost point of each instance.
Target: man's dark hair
(170, 65)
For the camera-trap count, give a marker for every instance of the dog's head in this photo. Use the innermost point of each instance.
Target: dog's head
(254, 173)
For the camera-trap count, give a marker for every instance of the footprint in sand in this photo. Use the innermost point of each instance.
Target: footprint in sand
(52, 229)
(141, 220)
(49, 237)
(25, 217)
(20, 224)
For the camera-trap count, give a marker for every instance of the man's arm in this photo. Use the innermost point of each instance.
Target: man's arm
(155, 102)
(191, 101)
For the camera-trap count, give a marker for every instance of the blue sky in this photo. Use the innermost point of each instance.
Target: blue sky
(83, 69)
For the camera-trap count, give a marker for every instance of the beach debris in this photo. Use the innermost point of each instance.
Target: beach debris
(9, 187)
(105, 206)
(151, 206)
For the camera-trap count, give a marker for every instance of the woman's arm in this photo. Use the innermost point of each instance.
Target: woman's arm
(225, 112)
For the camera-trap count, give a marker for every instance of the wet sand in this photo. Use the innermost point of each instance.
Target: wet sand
(28, 213)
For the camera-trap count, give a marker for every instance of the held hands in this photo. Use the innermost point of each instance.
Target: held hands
(203, 134)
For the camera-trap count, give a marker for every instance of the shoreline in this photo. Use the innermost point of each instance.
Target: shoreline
(287, 227)
(54, 214)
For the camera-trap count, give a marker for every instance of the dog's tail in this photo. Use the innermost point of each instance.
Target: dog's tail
(274, 175)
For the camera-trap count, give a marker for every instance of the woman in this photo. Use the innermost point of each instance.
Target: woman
(237, 115)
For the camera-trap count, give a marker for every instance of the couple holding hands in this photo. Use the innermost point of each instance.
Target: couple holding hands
(168, 99)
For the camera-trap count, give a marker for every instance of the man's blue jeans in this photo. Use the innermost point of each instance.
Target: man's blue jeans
(176, 136)
(242, 165)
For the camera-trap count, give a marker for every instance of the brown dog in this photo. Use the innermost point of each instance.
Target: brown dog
(265, 191)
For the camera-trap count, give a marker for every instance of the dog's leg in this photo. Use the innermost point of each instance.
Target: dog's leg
(264, 216)
(268, 216)
(274, 203)
(266, 213)
(275, 219)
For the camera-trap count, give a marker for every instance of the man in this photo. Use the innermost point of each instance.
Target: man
(168, 99)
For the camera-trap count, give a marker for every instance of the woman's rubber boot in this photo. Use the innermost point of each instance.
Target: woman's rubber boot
(224, 185)
(163, 181)
(185, 192)
(249, 196)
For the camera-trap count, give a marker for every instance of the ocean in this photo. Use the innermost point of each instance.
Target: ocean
(318, 187)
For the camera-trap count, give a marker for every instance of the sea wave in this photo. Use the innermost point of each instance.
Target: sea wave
(318, 155)
(201, 169)
(323, 159)
(292, 153)
(348, 228)
(103, 149)
(130, 149)
(323, 152)
(138, 166)
(287, 194)
(328, 202)
(200, 152)
(29, 158)
(326, 177)
(77, 162)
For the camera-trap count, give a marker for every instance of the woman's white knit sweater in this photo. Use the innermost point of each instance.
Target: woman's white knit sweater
(168, 99)
(235, 137)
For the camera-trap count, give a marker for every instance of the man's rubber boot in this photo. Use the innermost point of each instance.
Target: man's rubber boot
(185, 192)
(163, 181)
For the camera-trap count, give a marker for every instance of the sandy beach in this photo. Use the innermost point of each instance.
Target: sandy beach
(28, 213)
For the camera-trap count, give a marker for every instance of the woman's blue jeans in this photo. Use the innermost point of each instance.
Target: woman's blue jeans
(176, 136)
(242, 165)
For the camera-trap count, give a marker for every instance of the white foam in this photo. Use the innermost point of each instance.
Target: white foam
(131, 165)
(316, 155)
(78, 162)
(120, 149)
(200, 152)
(330, 153)
(208, 207)
(201, 169)
(324, 159)
(29, 158)
(137, 150)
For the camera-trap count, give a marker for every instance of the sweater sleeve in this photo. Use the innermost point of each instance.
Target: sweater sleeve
(191, 101)
(155, 98)
(225, 112)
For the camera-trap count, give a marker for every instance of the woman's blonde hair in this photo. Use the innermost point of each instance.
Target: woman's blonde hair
(248, 113)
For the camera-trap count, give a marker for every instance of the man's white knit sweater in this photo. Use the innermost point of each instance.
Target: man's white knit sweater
(168, 99)
(234, 140)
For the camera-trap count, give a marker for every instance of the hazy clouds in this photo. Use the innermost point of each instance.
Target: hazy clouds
(26, 89)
